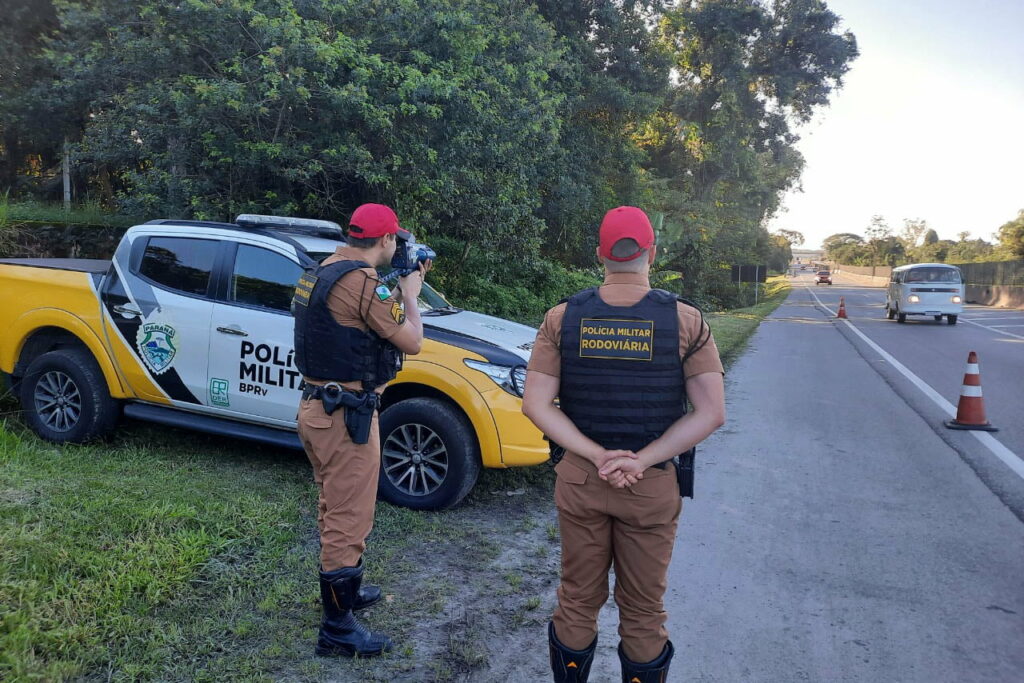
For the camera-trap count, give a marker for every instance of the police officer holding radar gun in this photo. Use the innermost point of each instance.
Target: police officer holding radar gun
(350, 334)
(623, 360)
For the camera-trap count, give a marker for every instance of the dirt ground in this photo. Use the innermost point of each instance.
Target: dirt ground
(471, 608)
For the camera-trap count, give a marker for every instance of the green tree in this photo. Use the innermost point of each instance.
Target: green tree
(613, 76)
(210, 108)
(840, 239)
(748, 74)
(1011, 236)
(780, 253)
(885, 249)
(27, 126)
(913, 230)
(970, 251)
(792, 236)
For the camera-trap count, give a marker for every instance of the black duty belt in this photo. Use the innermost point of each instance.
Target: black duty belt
(311, 391)
(359, 406)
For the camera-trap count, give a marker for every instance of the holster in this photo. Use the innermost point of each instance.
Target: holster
(359, 409)
(684, 472)
(556, 452)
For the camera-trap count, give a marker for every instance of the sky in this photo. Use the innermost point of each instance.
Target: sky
(928, 125)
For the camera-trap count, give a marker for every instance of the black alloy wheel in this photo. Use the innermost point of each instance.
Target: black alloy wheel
(951, 319)
(64, 397)
(429, 457)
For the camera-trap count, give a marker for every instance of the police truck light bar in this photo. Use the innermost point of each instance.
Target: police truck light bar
(307, 226)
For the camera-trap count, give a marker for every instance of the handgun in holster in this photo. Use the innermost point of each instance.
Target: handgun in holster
(556, 451)
(684, 472)
(359, 408)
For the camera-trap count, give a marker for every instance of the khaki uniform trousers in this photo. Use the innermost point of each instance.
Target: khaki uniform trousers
(346, 475)
(632, 528)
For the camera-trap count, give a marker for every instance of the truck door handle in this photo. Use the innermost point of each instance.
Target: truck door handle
(233, 330)
(127, 311)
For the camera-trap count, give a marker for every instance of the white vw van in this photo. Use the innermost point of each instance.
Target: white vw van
(935, 289)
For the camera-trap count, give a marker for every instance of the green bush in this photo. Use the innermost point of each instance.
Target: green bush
(518, 287)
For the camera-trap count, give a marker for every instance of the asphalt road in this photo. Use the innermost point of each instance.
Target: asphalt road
(840, 533)
(937, 352)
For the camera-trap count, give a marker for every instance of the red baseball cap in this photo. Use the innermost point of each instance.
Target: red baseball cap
(625, 222)
(375, 220)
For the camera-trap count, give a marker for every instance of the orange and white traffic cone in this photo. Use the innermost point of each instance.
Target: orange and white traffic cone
(970, 411)
(842, 308)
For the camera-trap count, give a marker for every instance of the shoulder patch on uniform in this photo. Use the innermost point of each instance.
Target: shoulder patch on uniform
(383, 292)
(397, 312)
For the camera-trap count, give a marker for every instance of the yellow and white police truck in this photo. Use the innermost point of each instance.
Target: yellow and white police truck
(189, 325)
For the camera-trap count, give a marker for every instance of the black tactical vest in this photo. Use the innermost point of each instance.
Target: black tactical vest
(327, 351)
(622, 379)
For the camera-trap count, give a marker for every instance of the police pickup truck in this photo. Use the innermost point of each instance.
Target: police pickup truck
(189, 325)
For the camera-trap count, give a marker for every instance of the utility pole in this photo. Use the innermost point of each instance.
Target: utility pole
(67, 176)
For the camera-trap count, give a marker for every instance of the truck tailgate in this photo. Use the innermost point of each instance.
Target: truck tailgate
(78, 265)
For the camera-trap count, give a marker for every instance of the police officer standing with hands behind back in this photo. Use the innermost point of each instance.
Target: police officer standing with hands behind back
(623, 360)
(350, 334)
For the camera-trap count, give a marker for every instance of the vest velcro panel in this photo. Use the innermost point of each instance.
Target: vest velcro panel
(622, 379)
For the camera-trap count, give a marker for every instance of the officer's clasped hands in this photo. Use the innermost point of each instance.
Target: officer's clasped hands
(620, 468)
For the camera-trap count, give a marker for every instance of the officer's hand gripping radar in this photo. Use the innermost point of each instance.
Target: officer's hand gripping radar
(408, 257)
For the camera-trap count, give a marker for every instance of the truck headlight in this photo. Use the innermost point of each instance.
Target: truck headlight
(913, 298)
(511, 378)
(957, 300)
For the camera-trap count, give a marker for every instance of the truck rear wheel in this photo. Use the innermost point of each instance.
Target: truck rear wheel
(64, 397)
(429, 455)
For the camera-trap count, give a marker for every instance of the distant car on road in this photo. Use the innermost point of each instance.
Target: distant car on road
(823, 277)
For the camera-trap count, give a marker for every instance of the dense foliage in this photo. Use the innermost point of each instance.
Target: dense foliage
(917, 243)
(503, 126)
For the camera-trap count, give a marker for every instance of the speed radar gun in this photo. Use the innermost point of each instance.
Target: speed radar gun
(408, 257)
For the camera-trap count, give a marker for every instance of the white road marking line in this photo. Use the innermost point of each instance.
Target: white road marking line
(1002, 326)
(1009, 458)
(992, 329)
(996, 317)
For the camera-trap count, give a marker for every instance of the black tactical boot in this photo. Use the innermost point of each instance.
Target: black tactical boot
(365, 595)
(341, 634)
(654, 671)
(569, 666)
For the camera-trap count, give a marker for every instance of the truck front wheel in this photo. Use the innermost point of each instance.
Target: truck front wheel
(429, 455)
(64, 397)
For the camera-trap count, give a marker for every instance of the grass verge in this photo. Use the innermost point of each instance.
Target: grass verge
(733, 328)
(174, 556)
